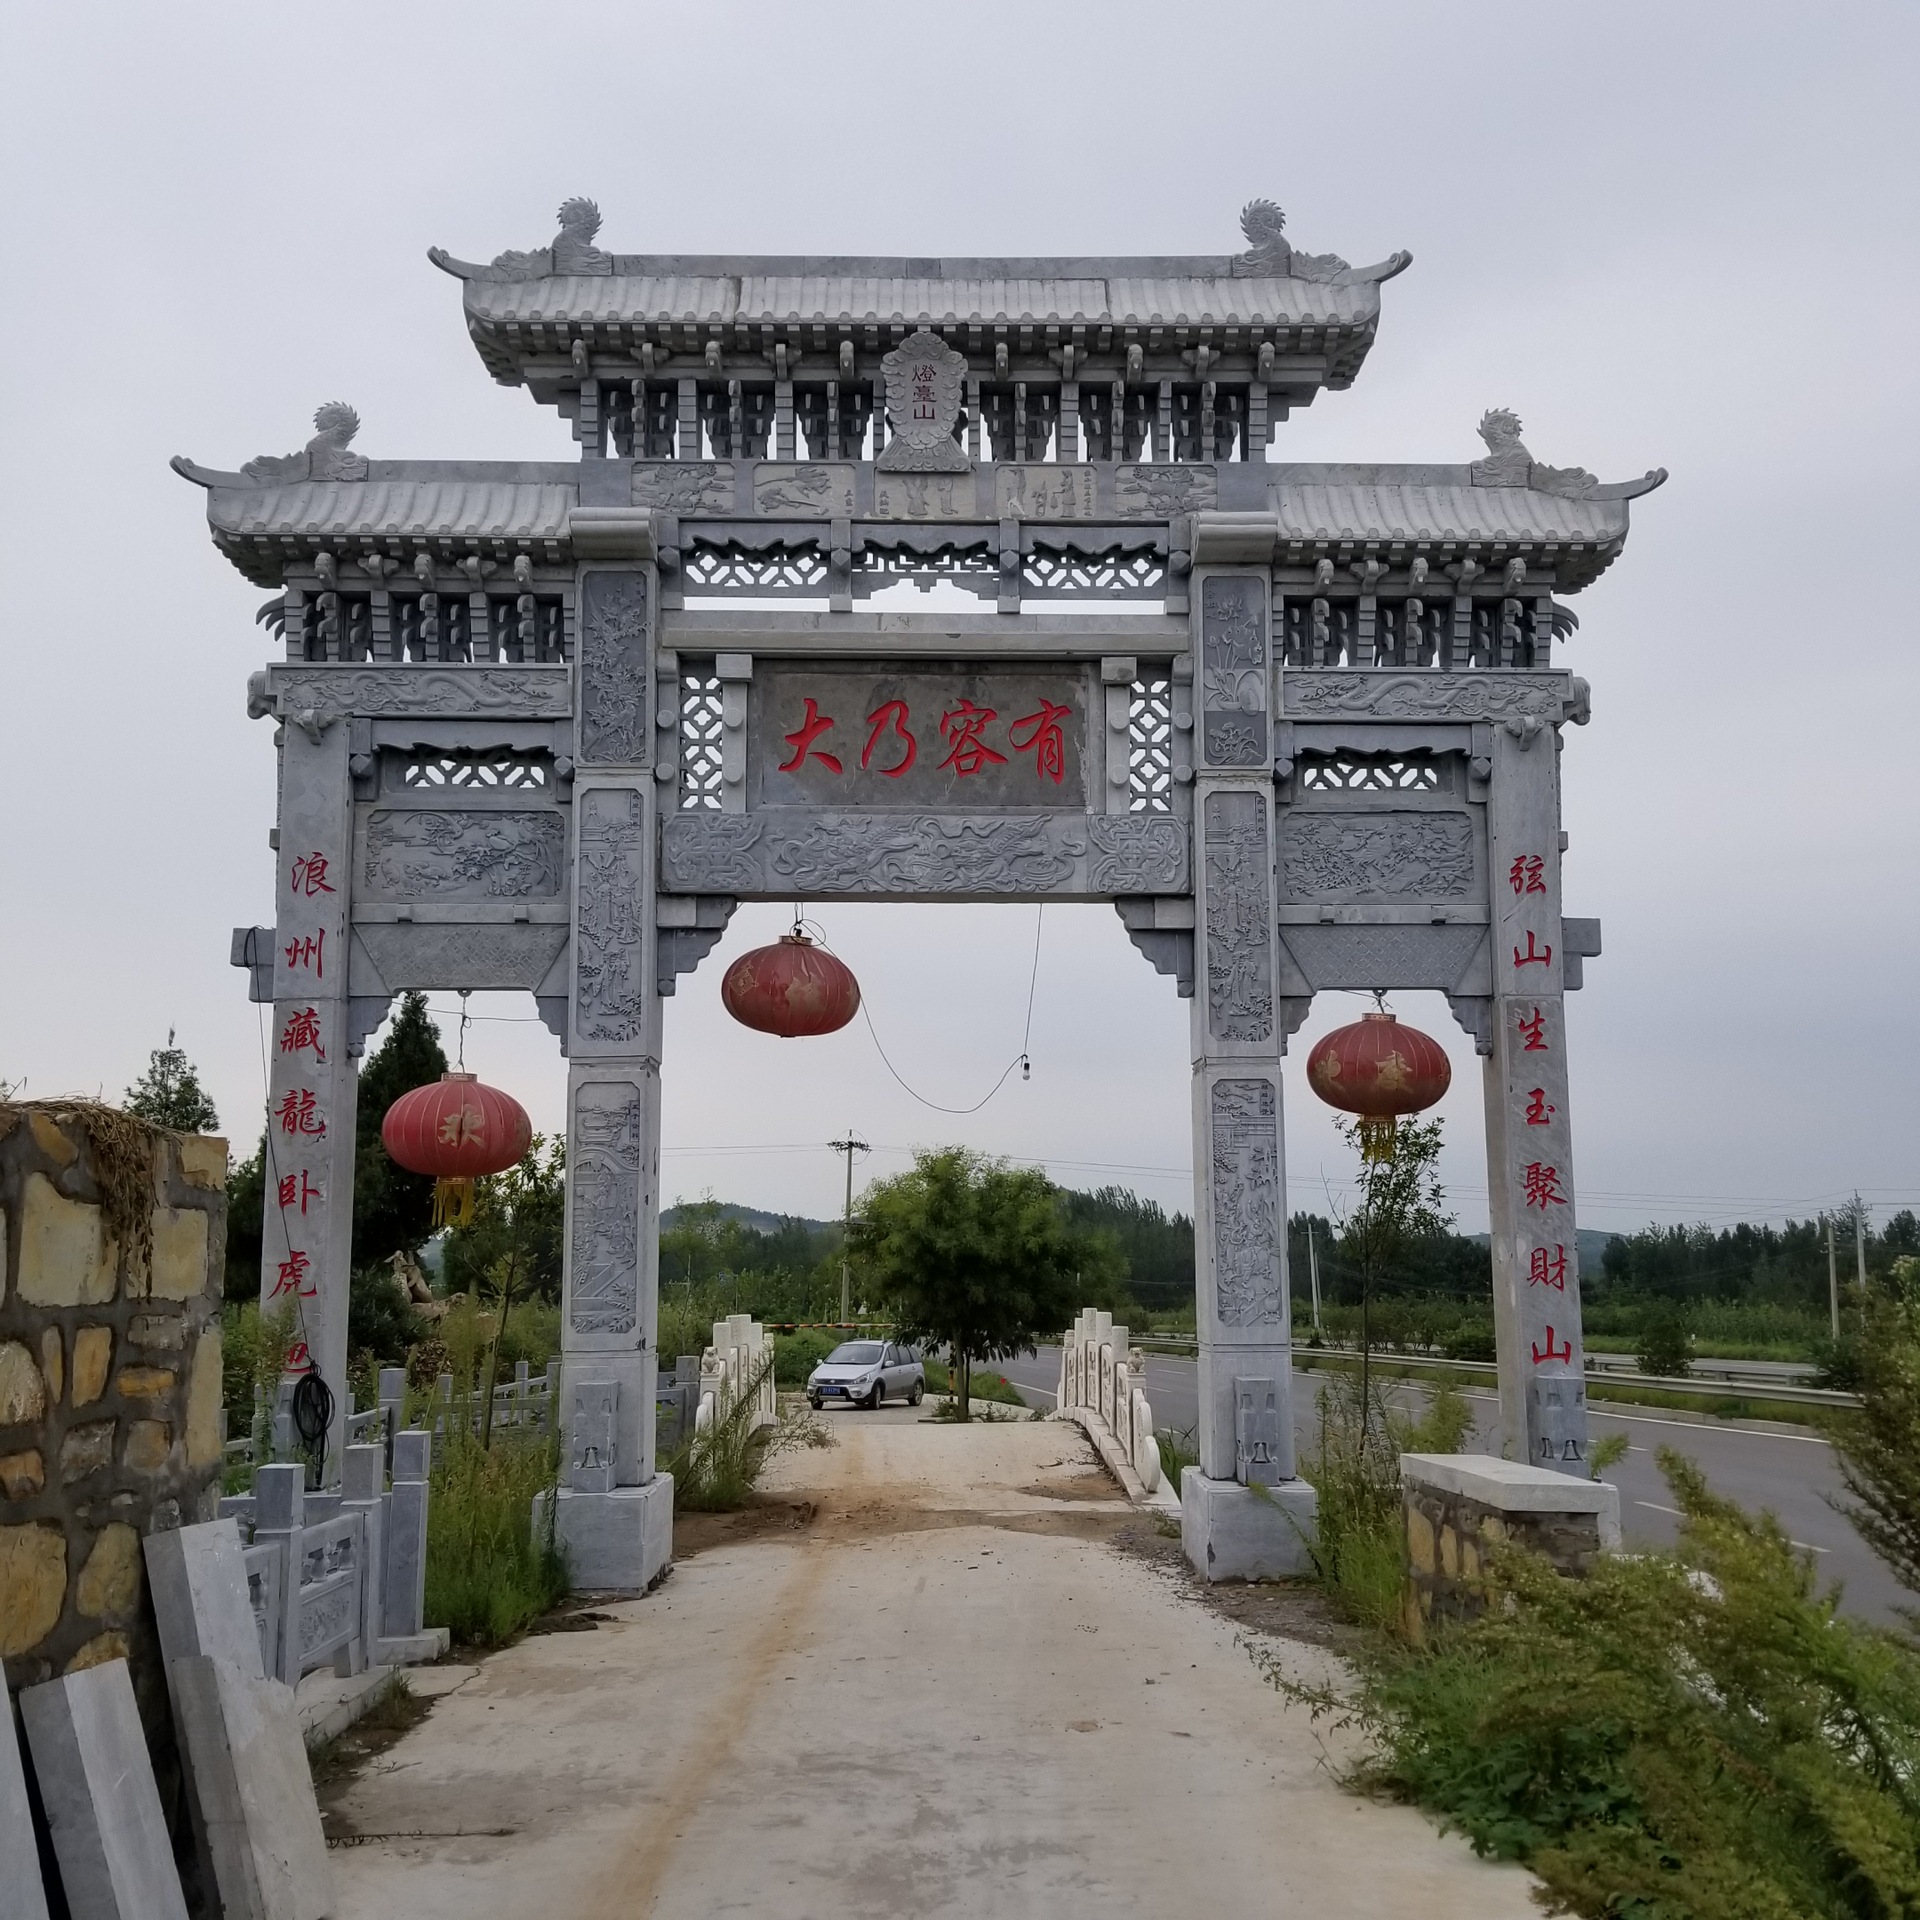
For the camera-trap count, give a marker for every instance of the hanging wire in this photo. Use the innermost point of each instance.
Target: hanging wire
(462, 1042)
(1022, 1060)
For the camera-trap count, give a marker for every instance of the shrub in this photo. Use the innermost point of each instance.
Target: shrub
(982, 1386)
(1177, 1452)
(1469, 1340)
(1688, 1736)
(1666, 1342)
(715, 1469)
(795, 1355)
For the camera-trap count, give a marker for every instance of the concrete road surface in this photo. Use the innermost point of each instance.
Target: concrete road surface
(1792, 1473)
(928, 1681)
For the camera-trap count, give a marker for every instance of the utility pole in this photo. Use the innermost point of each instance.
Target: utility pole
(1313, 1273)
(1860, 1252)
(849, 1146)
(1833, 1281)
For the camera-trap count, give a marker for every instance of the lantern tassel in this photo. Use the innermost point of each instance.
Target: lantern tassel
(453, 1203)
(1376, 1137)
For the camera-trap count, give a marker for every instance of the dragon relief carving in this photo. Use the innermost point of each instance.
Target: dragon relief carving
(1239, 936)
(1546, 698)
(1270, 255)
(1376, 856)
(614, 727)
(926, 854)
(1245, 1118)
(403, 692)
(414, 854)
(610, 981)
(325, 456)
(606, 1162)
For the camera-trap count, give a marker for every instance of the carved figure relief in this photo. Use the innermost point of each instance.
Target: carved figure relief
(1245, 1118)
(1549, 698)
(684, 486)
(1045, 492)
(1138, 853)
(812, 492)
(1161, 492)
(1269, 255)
(923, 496)
(614, 722)
(610, 980)
(325, 456)
(1233, 623)
(926, 381)
(412, 854)
(439, 693)
(570, 251)
(1376, 856)
(1509, 464)
(606, 1164)
(1239, 933)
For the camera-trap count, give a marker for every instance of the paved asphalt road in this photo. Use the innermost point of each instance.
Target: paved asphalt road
(1789, 1473)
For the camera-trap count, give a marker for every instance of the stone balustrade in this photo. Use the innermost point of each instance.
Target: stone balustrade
(1102, 1391)
(738, 1364)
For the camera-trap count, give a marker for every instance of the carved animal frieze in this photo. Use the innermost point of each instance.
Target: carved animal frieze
(1161, 492)
(1378, 695)
(1375, 856)
(437, 693)
(684, 486)
(417, 854)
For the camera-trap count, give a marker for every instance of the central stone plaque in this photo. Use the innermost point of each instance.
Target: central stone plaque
(962, 741)
(925, 385)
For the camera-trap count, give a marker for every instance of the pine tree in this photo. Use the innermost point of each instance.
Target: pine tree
(393, 1209)
(169, 1093)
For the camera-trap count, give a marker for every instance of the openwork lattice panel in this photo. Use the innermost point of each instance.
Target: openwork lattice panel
(701, 733)
(1150, 745)
(732, 570)
(476, 769)
(1137, 575)
(1367, 773)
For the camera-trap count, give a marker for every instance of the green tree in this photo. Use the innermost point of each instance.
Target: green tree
(1400, 1205)
(976, 1255)
(169, 1093)
(392, 1208)
(518, 1216)
(1879, 1442)
(246, 1214)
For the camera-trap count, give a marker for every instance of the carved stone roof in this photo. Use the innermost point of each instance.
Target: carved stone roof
(1449, 514)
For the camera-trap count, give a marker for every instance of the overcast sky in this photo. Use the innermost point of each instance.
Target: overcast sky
(1679, 236)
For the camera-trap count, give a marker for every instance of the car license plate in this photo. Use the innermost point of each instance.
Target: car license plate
(829, 1393)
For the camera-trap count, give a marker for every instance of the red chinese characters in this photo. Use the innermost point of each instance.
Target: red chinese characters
(1563, 1353)
(961, 727)
(801, 740)
(1534, 956)
(1533, 1032)
(302, 1034)
(310, 951)
(1527, 874)
(299, 1358)
(309, 875)
(1540, 1110)
(293, 1276)
(1044, 740)
(890, 714)
(1540, 1186)
(298, 1112)
(1547, 1267)
(296, 1190)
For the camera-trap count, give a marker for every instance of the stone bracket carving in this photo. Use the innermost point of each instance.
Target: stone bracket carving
(690, 927)
(252, 948)
(1475, 1014)
(365, 1011)
(1162, 929)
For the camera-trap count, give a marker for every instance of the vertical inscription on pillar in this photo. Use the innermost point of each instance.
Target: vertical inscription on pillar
(1246, 1203)
(614, 726)
(610, 983)
(1239, 926)
(1233, 689)
(606, 1168)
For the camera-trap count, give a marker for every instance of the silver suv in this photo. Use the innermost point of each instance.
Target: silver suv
(868, 1373)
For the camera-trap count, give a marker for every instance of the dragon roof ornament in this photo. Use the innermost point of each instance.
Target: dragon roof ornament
(1271, 256)
(1509, 464)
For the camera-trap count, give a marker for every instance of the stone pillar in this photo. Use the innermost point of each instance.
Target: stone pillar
(1228, 1531)
(615, 1518)
(306, 1243)
(1536, 1267)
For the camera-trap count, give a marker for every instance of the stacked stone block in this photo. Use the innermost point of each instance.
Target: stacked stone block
(110, 1390)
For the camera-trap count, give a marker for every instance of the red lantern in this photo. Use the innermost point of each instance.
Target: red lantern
(456, 1130)
(791, 988)
(1378, 1069)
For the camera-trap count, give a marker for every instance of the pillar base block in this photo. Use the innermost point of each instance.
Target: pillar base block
(618, 1542)
(1231, 1532)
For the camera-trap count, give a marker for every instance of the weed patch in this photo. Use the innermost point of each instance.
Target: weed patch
(489, 1574)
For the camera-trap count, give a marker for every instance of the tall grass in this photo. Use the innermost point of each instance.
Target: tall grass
(489, 1572)
(1354, 1468)
(716, 1469)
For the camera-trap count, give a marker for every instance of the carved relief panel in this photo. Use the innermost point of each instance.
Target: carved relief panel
(1244, 1171)
(606, 1167)
(1237, 917)
(1234, 672)
(612, 991)
(616, 727)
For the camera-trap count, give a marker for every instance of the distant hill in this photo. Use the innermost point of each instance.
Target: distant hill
(754, 1217)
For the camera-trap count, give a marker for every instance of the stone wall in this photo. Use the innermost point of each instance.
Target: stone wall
(110, 1407)
(1458, 1508)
